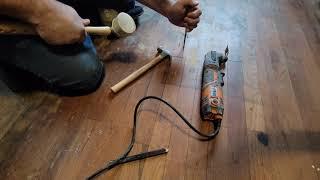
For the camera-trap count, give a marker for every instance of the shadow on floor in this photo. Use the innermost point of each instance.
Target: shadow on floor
(122, 57)
(16, 81)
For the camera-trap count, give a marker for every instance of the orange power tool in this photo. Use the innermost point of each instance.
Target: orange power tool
(212, 106)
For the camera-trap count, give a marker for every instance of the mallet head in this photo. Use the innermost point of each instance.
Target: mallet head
(164, 53)
(123, 25)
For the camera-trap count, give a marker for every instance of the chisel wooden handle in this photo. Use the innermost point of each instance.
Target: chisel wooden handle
(116, 88)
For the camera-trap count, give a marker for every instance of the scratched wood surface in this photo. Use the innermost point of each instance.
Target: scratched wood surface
(271, 92)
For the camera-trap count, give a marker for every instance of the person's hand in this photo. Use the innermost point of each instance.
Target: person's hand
(184, 13)
(61, 25)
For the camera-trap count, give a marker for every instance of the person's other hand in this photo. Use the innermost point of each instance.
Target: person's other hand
(61, 25)
(184, 13)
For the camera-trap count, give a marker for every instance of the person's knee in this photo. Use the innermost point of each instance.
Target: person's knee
(83, 78)
(81, 71)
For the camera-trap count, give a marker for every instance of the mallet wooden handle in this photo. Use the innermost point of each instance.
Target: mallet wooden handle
(116, 88)
(103, 30)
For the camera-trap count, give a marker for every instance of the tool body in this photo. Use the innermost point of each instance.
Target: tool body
(212, 105)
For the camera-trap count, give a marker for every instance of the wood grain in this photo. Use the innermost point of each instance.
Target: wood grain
(271, 91)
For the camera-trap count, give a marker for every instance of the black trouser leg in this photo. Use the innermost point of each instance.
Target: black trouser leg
(67, 70)
(89, 8)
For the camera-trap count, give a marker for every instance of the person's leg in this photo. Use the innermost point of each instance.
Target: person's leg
(66, 70)
(127, 6)
(89, 8)
(118, 5)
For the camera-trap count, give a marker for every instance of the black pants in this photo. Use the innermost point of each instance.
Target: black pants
(66, 70)
(88, 8)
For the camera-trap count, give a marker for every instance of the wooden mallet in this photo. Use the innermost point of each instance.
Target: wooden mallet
(162, 54)
(122, 25)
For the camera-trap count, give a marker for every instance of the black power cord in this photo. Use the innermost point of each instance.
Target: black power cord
(124, 157)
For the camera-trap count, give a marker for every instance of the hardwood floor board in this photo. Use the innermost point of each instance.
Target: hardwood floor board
(234, 79)
(161, 136)
(224, 151)
(196, 173)
(252, 78)
(149, 109)
(228, 172)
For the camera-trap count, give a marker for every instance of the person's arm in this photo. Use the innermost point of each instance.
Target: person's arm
(161, 6)
(54, 21)
(183, 13)
(26, 10)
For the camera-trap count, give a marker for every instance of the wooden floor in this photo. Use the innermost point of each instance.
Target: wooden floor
(272, 90)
